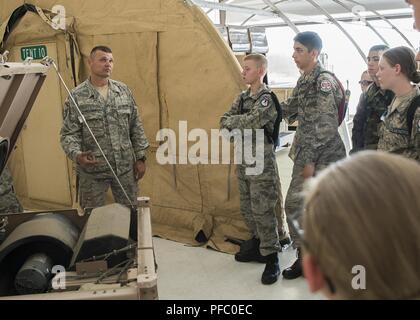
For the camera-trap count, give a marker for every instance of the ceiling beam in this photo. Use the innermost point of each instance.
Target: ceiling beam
(253, 15)
(233, 8)
(339, 26)
(344, 19)
(368, 24)
(275, 9)
(382, 17)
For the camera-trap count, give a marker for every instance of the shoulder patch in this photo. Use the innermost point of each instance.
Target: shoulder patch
(265, 101)
(326, 86)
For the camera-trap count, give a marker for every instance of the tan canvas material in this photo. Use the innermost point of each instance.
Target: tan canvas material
(179, 69)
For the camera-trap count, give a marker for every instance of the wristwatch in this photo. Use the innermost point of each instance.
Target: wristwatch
(142, 159)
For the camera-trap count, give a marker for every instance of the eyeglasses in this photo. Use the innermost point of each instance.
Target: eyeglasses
(365, 82)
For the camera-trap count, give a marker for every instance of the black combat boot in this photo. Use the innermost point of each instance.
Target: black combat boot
(250, 251)
(295, 270)
(272, 270)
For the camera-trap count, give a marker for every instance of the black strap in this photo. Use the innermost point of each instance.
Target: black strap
(279, 119)
(17, 14)
(272, 137)
(415, 103)
(241, 105)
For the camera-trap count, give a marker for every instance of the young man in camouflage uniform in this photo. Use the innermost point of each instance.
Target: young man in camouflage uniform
(317, 143)
(374, 103)
(9, 203)
(260, 194)
(111, 112)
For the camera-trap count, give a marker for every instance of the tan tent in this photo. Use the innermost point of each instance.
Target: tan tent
(178, 67)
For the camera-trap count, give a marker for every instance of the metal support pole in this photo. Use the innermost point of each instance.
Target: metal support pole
(146, 276)
(386, 20)
(368, 24)
(275, 9)
(317, 6)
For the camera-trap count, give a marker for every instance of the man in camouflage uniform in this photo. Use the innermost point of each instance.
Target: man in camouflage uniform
(373, 104)
(9, 203)
(111, 112)
(317, 143)
(260, 194)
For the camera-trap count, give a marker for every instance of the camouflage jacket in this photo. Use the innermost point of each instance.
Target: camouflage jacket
(315, 102)
(415, 133)
(115, 124)
(8, 200)
(258, 111)
(373, 104)
(359, 120)
(394, 135)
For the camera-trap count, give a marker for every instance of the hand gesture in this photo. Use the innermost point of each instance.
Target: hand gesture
(86, 159)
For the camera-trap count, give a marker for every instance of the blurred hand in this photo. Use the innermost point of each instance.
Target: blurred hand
(308, 171)
(86, 159)
(139, 169)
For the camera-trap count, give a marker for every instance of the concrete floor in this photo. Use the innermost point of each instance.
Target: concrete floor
(196, 273)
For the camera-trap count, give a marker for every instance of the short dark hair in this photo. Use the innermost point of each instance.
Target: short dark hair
(311, 40)
(379, 47)
(100, 48)
(406, 58)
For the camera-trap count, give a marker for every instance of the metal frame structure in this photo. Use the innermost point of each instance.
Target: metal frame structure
(139, 281)
(275, 9)
(382, 17)
(271, 9)
(20, 84)
(368, 24)
(334, 21)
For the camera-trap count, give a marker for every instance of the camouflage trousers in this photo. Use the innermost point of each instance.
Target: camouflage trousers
(261, 203)
(9, 203)
(92, 190)
(295, 198)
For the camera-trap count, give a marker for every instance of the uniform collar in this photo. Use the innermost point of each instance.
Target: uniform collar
(402, 100)
(314, 74)
(113, 86)
(94, 93)
(377, 89)
(255, 96)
